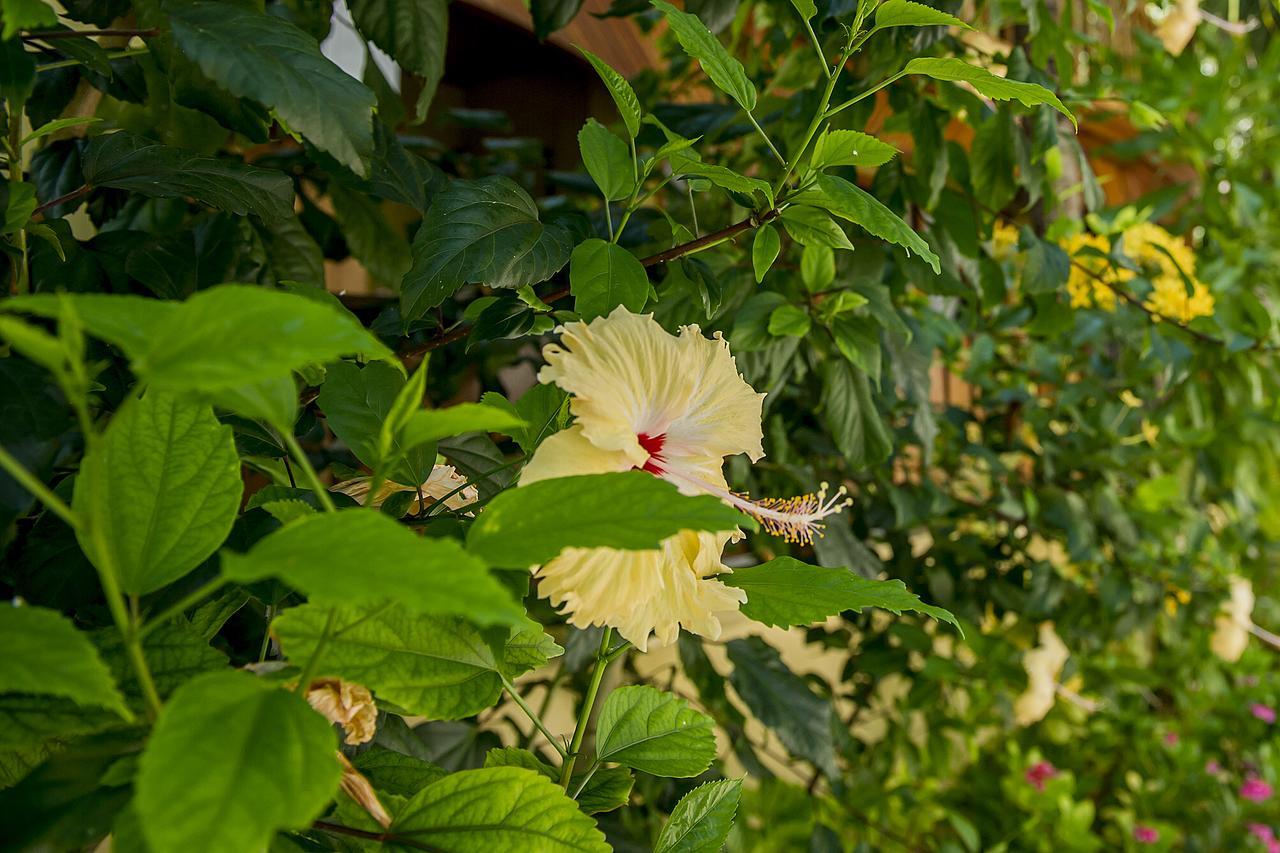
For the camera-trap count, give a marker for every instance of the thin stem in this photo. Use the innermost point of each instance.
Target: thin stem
(62, 199)
(817, 47)
(856, 98)
(584, 713)
(68, 63)
(533, 716)
(441, 502)
(181, 606)
(266, 636)
(767, 140)
(309, 473)
(313, 661)
(16, 107)
(42, 493)
(52, 35)
(819, 115)
(586, 777)
(608, 219)
(1265, 635)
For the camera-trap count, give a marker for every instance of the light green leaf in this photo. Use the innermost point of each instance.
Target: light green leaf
(219, 752)
(497, 808)
(608, 788)
(267, 59)
(631, 511)
(413, 33)
(44, 654)
(357, 557)
(785, 591)
(905, 13)
(851, 202)
(25, 15)
(603, 276)
(810, 226)
(655, 732)
(480, 231)
(159, 492)
(19, 204)
(806, 8)
(789, 321)
(224, 337)
(1028, 94)
(764, 250)
(129, 162)
(684, 165)
(607, 159)
(356, 403)
(426, 426)
(701, 821)
(437, 667)
(528, 648)
(849, 148)
(623, 95)
(56, 125)
(817, 268)
(725, 71)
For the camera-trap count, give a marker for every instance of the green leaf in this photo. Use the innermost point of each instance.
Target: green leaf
(764, 250)
(789, 320)
(224, 337)
(356, 402)
(396, 773)
(19, 204)
(1046, 267)
(905, 13)
(159, 492)
(427, 426)
(379, 247)
(817, 268)
(129, 162)
(684, 165)
(849, 148)
(701, 821)
(267, 59)
(496, 808)
(543, 408)
(437, 667)
(631, 511)
(551, 15)
(17, 71)
(998, 88)
(175, 652)
(608, 788)
(25, 15)
(810, 226)
(851, 202)
(806, 8)
(528, 648)
(725, 71)
(413, 33)
(44, 654)
(785, 591)
(858, 339)
(480, 231)
(607, 159)
(623, 95)
(219, 751)
(851, 416)
(783, 702)
(603, 276)
(358, 557)
(56, 125)
(655, 732)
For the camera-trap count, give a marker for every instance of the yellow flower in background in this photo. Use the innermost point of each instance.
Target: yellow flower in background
(1085, 289)
(1235, 618)
(1004, 241)
(444, 481)
(347, 704)
(1170, 264)
(675, 406)
(1043, 664)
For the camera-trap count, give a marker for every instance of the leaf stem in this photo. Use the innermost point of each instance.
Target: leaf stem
(820, 115)
(16, 111)
(817, 47)
(309, 473)
(42, 493)
(586, 777)
(533, 716)
(309, 669)
(868, 93)
(767, 140)
(584, 713)
(67, 63)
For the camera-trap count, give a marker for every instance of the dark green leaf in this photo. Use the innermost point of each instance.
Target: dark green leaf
(603, 276)
(356, 402)
(725, 71)
(851, 202)
(850, 414)
(620, 90)
(810, 226)
(764, 250)
(413, 32)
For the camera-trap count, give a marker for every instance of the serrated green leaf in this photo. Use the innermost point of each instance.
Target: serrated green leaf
(437, 667)
(267, 59)
(1028, 94)
(764, 250)
(396, 773)
(810, 226)
(195, 791)
(905, 13)
(655, 732)
(45, 655)
(603, 276)
(849, 148)
(698, 41)
(496, 808)
(785, 591)
(357, 557)
(631, 511)
(159, 492)
(701, 821)
(851, 202)
(413, 33)
(480, 231)
(619, 89)
(25, 15)
(129, 162)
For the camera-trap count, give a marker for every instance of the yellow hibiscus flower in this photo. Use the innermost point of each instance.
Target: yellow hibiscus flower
(443, 483)
(675, 406)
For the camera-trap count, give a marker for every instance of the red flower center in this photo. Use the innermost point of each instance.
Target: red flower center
(652, 445)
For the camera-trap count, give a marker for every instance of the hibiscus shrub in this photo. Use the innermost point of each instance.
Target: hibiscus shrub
(631, 517)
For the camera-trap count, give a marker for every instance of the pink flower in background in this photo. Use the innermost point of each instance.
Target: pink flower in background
(1213, 768)
(1255, 789)
(1263, 712)
(1041, 772)
(1171, 738)
(1266, 835)
(1146, 834)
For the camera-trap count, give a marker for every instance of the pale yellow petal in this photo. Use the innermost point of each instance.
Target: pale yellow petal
(568, 453)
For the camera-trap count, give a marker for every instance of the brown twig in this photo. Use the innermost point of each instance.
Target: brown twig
(71, 196)
(52, 35)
